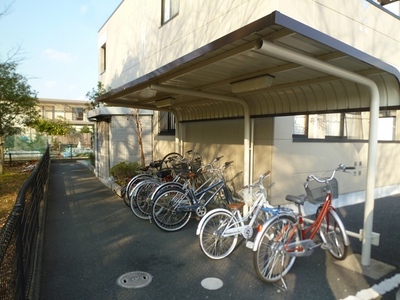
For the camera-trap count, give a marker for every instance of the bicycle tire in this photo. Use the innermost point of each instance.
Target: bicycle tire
(140, 205)
(166, 186)
(271, 261)
(131, 185)
(165, 163)
(212, 243)
(124, 194)
(332, 234)
(164, 213)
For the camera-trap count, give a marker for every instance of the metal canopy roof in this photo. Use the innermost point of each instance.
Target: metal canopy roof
(295, 89)
(198, 86)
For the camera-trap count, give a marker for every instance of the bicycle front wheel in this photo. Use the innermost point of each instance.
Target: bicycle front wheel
(131, 185)
(215, 240)
(271, 261)
(332, 234)
(170, 211)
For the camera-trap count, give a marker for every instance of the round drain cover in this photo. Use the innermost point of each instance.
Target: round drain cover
(134, 280)
(212, 283)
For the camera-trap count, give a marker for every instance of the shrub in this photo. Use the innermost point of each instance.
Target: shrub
(124, 170)
(92, 158)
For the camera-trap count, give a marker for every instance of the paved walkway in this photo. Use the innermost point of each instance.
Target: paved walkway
(91, 239)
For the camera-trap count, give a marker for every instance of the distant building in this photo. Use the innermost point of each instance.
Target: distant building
(73, 112)
(70, 111)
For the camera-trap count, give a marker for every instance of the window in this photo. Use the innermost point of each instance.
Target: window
(78, 111)
(348, 126)
(103, 58)
(166, 121)
(169, 10)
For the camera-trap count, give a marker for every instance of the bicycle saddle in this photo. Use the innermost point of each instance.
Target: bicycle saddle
(237, 205)
(297, 199)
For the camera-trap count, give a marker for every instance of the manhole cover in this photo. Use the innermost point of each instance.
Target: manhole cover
(212, 283)
(134, 280)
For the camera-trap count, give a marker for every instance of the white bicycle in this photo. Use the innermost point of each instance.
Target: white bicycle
(220, 228)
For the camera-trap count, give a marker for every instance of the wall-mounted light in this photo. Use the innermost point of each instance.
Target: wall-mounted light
(165, 102)
(252, 84)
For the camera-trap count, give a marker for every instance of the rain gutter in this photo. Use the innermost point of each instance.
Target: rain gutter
(276, 51)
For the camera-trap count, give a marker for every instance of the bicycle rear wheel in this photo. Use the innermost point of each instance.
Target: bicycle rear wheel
(332, 234)
(214, 241)
(168, 210)
(141, 205)
(271, 261)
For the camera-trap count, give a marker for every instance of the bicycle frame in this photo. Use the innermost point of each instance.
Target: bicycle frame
(307, 234)
(310, 231)
(198, 195)
(237, 218)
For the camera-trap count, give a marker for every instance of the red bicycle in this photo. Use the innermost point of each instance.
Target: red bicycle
(288, 235)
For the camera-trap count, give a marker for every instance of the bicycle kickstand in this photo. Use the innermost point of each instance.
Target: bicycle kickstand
(282, 286)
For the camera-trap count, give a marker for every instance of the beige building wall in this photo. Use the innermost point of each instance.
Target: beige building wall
(201, 22)
(116, 138)
(103, 149)
(147, 47)
(289, 162)
(124, 146)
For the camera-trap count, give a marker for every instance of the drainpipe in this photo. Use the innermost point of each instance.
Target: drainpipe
(178, 132)
(246, 112)
(276, 51)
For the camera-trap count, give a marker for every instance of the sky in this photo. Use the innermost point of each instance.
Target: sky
(56, 43)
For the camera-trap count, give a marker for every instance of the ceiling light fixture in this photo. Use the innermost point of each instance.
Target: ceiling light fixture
(165, 102)
(252, 84)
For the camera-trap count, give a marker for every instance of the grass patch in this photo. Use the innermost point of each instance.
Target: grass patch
(11, 182)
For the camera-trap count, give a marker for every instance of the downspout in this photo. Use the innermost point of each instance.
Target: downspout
(246, 113)
(276, 51)
(178, 133)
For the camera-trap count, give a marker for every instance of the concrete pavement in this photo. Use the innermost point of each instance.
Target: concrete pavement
(91, 239)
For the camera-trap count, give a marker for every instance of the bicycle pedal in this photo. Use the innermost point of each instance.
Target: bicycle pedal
(326, 246)
(249, 244)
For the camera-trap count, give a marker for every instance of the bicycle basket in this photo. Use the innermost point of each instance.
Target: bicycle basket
(250, 195)
(196, 166)
(316, 191)
(180, 167)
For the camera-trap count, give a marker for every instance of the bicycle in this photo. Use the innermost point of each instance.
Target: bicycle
(145, 173)
(288, 235)
(140, 200)
(173, 206)
(158, 168)
(220, 228)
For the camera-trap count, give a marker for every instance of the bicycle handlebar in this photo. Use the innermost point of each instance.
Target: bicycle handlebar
(341, 167)
(259, 182)
(228, 163)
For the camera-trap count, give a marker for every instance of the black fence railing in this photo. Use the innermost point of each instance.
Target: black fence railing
(13, 156)
(19, 235)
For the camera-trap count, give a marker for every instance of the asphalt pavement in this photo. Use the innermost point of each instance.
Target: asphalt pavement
(95, 248)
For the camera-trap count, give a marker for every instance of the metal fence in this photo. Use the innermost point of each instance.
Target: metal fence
(19, 235)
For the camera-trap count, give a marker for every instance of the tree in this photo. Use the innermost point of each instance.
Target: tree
(94, 96)
(17, 104)
(138, 128)
(52, 127)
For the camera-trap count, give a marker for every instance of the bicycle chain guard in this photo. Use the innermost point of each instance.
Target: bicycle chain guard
(307, 247)
(247, 232)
